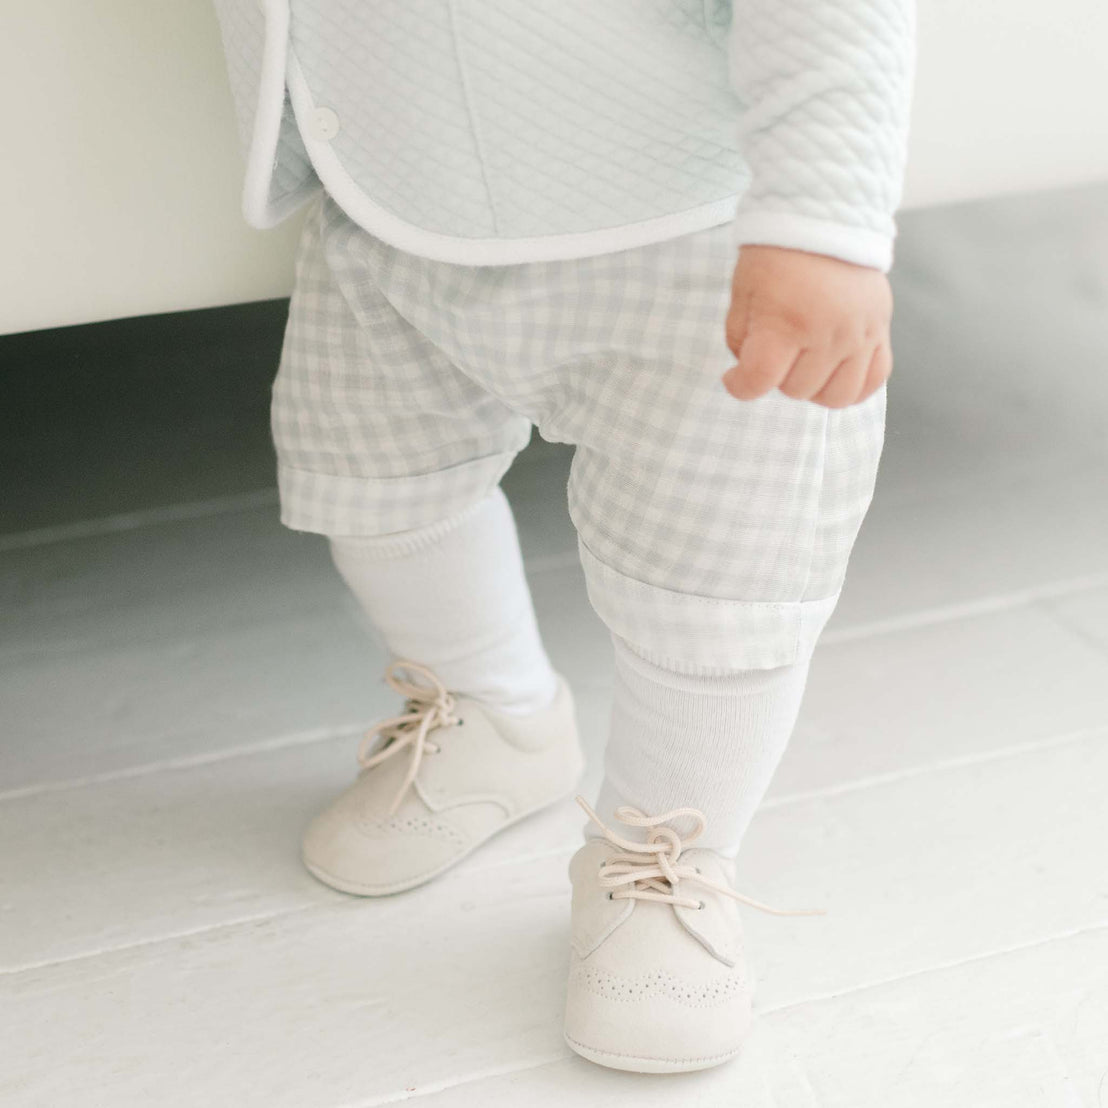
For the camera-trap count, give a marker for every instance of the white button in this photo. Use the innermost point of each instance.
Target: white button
(326, 124)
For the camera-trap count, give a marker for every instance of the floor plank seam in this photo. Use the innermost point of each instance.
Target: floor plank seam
(191, 933)
(1031, 746)
(472, 868)
(441, 1086)
(134, 521)
(948, 613)
(1075, 628)
(305, 738)
(192, 761)
(942, 967)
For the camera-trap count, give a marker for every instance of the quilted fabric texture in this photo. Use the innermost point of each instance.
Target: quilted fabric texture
(826, 91)
(290, 179)
(636, 117)
(493, 131)
(392, 74)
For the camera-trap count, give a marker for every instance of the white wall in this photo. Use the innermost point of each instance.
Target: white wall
(120, 190)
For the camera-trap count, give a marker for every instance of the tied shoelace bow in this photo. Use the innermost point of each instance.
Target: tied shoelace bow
(429, 706)
(652, 870)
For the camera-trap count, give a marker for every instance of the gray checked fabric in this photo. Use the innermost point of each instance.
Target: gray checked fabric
(713, 532)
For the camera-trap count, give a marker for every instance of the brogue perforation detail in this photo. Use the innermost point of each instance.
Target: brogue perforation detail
(658, 983)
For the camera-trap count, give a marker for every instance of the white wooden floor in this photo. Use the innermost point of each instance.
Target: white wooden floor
(181, 689)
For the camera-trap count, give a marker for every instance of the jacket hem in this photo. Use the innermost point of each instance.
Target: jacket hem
(256, 208)
(461, 250)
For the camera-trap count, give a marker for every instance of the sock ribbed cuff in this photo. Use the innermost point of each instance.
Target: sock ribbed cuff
(400, 544)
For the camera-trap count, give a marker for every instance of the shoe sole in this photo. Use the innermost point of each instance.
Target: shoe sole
(353, 887)
(632, 1064)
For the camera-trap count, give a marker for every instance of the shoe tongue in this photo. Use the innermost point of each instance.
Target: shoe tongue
(714, 927)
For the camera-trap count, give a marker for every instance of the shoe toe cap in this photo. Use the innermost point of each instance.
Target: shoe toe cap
(656, 1021)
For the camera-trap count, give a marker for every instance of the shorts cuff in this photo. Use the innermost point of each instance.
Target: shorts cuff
(697, 634)
(368, 506)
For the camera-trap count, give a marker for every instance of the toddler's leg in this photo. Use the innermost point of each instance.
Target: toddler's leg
(697, 738)
(453, 596)
(392, 451)
(714, 536)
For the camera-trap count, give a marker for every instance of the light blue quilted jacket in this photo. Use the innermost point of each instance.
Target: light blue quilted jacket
(486, 132)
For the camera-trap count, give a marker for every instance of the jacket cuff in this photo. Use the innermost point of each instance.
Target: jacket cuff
(850, 243)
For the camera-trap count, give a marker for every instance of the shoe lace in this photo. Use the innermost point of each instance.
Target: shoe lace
(429, 706)
(651, 870)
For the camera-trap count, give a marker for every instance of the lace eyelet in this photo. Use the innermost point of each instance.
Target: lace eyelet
(610, 897)
(700, 906)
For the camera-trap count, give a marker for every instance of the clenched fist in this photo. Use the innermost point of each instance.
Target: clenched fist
(813, 326)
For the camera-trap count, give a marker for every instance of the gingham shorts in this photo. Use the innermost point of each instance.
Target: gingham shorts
(714, 533)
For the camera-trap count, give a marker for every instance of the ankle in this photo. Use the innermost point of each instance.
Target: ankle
(524, 701)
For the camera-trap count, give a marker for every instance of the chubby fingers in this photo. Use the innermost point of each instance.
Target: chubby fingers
(856, 378)
(804, 373)
(765, 360)
(880, 369)
(844, 385)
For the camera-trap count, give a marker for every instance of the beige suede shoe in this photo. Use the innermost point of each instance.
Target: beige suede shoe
(469, 772)
(657, 982)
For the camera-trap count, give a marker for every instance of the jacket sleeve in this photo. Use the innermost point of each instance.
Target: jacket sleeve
(826, 90)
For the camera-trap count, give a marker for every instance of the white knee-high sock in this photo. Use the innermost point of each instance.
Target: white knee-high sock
(707, 742)
(453, 596)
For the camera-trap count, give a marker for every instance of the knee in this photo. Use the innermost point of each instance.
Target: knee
(696, 634)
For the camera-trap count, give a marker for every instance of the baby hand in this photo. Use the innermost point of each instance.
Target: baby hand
(813, 326)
